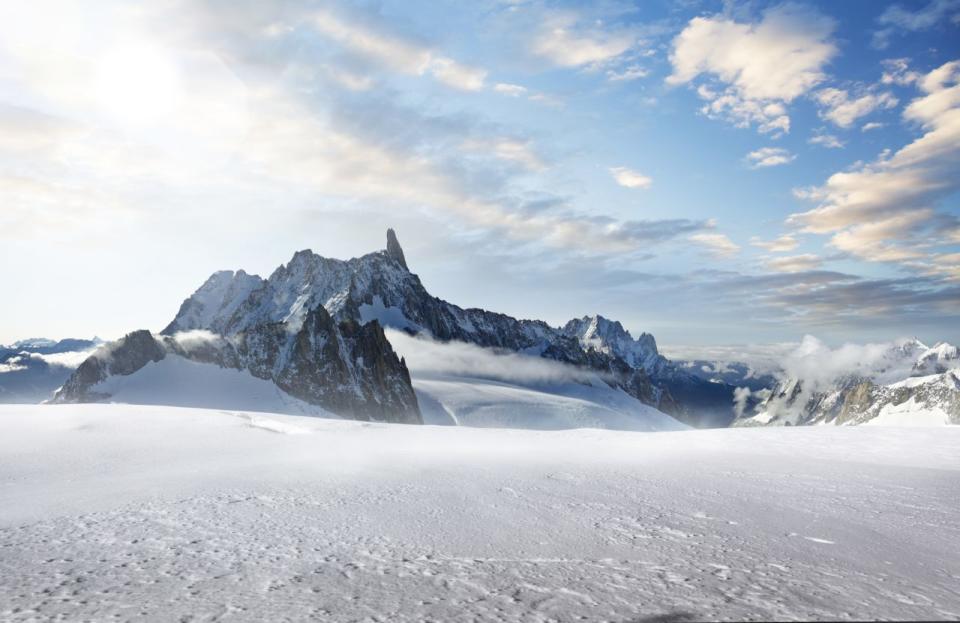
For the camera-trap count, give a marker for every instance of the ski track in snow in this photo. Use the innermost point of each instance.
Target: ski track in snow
(118, 512)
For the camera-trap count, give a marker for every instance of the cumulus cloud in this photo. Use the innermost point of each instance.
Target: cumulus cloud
(826, 140)
(759, 67)
(718, 244)
(426, 357)
(566, 43)
(873, 125)
(778, 245)
(897, 71)
(769, 157)
(628, 178)
(513, 90)
(884, 210)
(839, 108)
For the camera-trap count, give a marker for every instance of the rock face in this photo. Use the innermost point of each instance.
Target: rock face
(393, 249)
(348, 369)
(122, 358)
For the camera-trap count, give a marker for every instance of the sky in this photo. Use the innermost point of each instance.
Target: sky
(711, 172)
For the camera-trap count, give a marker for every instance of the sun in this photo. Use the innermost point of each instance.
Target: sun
(138, 84)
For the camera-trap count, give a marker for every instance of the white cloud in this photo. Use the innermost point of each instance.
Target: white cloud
(718, 244)
(425, 357)
(760, 66)
(511, 150)
(633, 72)
(794, 263)
(400, 55)
(826, 140)
(264, 137)
(884, 210)
(896, 17)
(873, 125)
(564, 43)
(761, 358)
(769, 157)
(456, 75)
(817, 365)
(897, 71)
(839, 108)
(629, 178)
(513, 90)
(778, 245)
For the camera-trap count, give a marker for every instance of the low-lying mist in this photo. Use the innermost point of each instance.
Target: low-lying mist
(428, 357)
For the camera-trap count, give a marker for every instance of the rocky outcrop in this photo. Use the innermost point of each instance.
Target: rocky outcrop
(347, 369)
(122, 358)
(394, 251)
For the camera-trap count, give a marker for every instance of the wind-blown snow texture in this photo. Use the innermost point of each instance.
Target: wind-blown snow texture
(160, 513)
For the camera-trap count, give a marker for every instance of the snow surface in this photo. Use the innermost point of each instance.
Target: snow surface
(386, 316)
(916, 381)
(179, 382)
(463, 401)
(910, 413)
(468, 385)
(162, 513)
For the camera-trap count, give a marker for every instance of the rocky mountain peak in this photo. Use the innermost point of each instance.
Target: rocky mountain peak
(394, 250)
(609, 336)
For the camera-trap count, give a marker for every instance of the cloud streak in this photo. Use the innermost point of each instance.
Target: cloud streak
(427, 357)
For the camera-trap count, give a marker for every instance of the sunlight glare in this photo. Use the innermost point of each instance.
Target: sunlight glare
(138, 84)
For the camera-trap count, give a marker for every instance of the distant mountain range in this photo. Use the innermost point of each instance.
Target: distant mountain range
(311, 335)
(911, 383)
(31, 370)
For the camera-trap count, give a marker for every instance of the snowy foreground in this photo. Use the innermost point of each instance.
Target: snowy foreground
(158, 513)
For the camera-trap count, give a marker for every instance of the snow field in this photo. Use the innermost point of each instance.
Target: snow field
(161, 513)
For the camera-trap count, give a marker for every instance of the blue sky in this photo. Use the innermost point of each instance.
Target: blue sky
(711, 172)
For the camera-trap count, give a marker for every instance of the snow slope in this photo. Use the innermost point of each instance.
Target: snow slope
(464, 384)
(162, 513)
(465, 401)
(179, 382)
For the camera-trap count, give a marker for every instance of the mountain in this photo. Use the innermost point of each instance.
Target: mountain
(32, 370)
(909, 383)
(379, 286)
(937, 359)
(344, 367)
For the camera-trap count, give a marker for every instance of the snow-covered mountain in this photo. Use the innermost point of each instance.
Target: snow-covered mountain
(905, 383)
(32, 370)
(343, 367)
(379, 286)
(313, 327)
